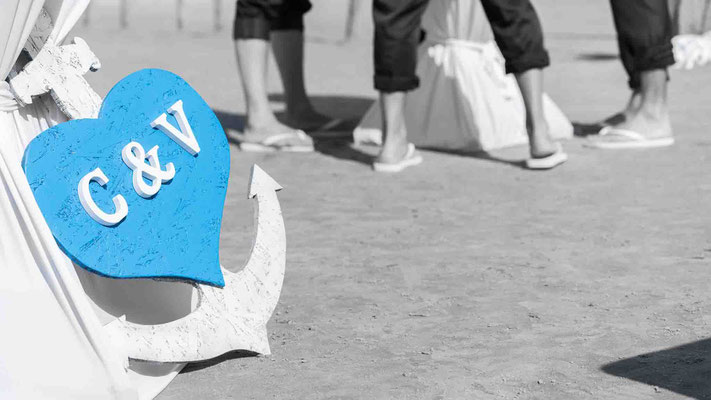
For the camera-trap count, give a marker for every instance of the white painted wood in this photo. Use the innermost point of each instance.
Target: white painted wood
(226, 319)
(58, 70)
(184, 137)
(134, 156)
(229, 318)
(90, 205)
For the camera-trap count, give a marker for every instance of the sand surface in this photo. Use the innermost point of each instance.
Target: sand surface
(465, 278)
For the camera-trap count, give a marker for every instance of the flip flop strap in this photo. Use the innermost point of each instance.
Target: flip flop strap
(410, 151)
(274, 139)
(626, 133)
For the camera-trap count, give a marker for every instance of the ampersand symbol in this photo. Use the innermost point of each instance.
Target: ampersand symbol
(134, 155)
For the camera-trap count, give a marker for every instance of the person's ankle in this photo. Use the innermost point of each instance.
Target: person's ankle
(256, 122)
(634, 103)
(541, 143)
(654, 111)
(395, 138)
(538, 130)
(539, 150)
(394, 148)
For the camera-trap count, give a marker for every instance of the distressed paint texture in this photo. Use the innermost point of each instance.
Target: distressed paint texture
(229, 318)
(58, 70)
(174, 234)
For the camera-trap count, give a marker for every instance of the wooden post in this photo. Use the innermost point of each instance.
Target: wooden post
(350, 20)
(179, 14)
(123, 14)
(217, 11)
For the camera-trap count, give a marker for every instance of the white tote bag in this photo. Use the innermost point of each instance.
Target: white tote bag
(465, 101)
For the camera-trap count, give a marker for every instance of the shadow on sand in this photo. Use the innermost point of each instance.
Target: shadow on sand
(350, 109)
(480, 155)
(597, 56)
(233, 355)
(684, 369)
(582, 129)
(345, 107)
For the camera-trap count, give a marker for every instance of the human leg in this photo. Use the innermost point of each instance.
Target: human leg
(287, 39)
(644, 31)
(251, 33)
(397, 33)
(518, 34)
(395, 140)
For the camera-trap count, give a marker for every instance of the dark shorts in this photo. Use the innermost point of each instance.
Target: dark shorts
(644, 33)
(515, 24)
(254, 19)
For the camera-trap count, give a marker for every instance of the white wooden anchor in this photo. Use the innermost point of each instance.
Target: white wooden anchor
(58, 70)
(229, 318)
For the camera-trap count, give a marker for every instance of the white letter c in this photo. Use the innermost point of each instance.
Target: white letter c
(90, 206)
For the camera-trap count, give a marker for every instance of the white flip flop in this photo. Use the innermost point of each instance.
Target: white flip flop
(274, 143)
(632, 140)
(411, 159)
(548, 162)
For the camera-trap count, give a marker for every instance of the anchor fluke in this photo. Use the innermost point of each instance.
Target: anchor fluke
(229, 318)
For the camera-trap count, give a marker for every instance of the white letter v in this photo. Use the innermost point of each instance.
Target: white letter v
(184, 137)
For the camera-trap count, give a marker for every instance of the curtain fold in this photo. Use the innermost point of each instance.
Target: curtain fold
(51, 346)
(64, 13)
(16, 22)
(51, 312)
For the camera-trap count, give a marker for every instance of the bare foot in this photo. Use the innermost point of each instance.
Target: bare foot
(651, 125)
(632, 107)
(648, 124)
(254, 133)
(395, 143)
(394, 150)
(261, 131)
(541, 144)
(649, 117)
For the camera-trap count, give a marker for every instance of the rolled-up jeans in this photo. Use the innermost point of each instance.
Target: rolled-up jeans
(517, 31)
(644, 33)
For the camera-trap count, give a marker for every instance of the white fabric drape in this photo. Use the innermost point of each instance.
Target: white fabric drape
(16, 22)
(465, 101)
(50, 345)
(46, 350)
(51, 339)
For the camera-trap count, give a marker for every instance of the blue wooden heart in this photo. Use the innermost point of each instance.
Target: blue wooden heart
(172, 226)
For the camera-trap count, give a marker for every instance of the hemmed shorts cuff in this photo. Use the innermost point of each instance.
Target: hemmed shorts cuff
(520, 66)
(658, 57)
(390, 84)
(635, 82)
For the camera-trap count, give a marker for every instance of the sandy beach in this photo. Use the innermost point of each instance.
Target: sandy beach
(467, 277)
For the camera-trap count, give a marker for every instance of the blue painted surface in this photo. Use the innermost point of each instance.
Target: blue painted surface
(174, 234)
